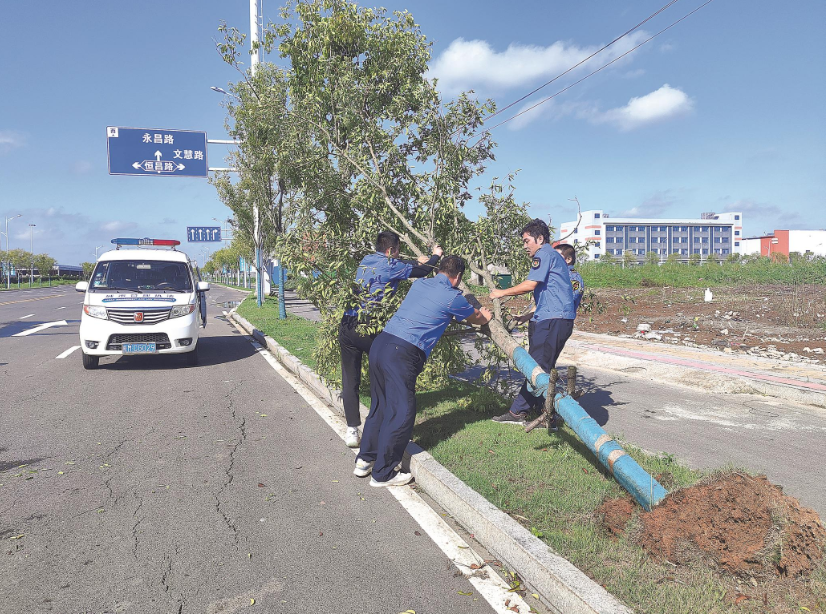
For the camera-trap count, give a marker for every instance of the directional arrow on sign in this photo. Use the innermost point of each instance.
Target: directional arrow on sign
(137, 165)
(158, 156)
(44, 326)
(181, 167)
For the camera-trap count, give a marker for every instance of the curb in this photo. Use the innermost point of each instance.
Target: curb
(577, 352)
(561, 586)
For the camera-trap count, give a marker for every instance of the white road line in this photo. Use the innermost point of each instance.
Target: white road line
(37, 329)
(69, 351)
(28, 316)
(59, 308)
(490, 585)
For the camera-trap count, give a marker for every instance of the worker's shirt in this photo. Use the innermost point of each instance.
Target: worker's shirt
(378, 275)
(427, 310)
(577, 285)
(553, 294)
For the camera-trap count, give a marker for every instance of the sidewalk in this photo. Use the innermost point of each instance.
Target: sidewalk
(706, 369)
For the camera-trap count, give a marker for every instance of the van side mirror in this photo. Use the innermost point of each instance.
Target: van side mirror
(82, 286)
(203, 286)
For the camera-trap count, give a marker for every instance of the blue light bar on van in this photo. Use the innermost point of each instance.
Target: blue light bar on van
(146, 241)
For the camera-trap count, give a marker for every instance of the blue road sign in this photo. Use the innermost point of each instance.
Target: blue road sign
(156, 152)
(203, 234)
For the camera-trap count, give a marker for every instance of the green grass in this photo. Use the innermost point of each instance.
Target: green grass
(37, 284)
(761, 271)
(295, 334)
(551, 484)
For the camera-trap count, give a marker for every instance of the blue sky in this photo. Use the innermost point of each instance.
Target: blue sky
(722, 112)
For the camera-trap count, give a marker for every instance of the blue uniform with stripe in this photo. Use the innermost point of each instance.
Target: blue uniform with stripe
(397, 357)
(553, 320)
(377, 276)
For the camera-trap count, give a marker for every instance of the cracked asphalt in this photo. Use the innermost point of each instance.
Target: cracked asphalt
(149, 486)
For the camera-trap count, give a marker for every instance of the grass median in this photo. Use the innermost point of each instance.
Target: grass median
(553, 486)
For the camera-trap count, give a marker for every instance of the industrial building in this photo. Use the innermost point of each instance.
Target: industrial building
(713, 233)
(803, 242)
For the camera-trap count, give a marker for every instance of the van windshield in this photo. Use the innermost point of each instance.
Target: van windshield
(142, 276)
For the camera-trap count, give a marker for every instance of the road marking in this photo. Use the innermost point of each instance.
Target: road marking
(37, 329)
(28, 316)
(69, 351)
(59, 308)
(492, 586)
(29, 300)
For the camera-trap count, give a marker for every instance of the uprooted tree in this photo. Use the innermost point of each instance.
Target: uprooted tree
(361, 140)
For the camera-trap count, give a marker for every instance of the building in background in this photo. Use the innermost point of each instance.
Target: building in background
(713, 233)
(784, 242)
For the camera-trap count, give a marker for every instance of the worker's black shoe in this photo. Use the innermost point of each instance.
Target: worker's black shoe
(511, 418)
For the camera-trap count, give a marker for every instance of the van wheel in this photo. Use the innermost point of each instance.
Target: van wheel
(90, 362)
(192, 358)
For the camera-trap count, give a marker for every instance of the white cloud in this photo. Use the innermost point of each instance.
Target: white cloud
(118, 226)
(660, 105)
(476, 65)
(653, 206)
(9, 139)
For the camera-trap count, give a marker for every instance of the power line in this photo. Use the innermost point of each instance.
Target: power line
(580, 63)
(565, 89)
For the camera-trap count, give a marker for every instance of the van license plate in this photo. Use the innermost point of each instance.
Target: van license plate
(139, 348)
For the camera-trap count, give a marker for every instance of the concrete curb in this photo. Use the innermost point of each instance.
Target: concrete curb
(561, 586)
(576, 352)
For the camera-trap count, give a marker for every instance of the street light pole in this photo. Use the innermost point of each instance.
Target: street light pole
(96, 252)
(31, 253)
(8, 250)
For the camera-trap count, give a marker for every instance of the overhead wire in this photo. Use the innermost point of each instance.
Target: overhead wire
(580, 63)
(604, 66)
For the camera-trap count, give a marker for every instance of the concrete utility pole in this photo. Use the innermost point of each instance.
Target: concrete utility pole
(31, 255)
(254, 59)
(8, 249)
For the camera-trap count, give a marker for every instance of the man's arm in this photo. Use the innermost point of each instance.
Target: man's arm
(426, 265)
(479, 317)
(526, 286)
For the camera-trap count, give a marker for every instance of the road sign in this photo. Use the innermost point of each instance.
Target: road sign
(156, 152)
(203, 234)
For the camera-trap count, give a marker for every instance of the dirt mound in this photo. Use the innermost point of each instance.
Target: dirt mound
(744, 525)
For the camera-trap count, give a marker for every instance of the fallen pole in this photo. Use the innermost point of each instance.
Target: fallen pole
(639, 483)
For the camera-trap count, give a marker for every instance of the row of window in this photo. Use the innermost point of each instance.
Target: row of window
(682, 251)
(665, 240)
(665, 228)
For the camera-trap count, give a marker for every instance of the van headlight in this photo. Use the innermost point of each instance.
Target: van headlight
(95, 311)
(181, 310)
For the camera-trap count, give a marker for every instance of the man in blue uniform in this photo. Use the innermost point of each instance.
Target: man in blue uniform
(568, 252)
(378, 275)
(551, 321)
(396, 359)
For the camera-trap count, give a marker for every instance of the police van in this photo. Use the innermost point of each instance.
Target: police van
(142, 299)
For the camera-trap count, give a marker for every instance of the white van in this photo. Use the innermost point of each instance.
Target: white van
(141, 299)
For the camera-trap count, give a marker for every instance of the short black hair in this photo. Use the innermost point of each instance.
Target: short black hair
(537, 228)
(452, 266)
(567, 250)
(386, 239)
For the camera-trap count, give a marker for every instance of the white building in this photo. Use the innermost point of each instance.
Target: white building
(713, 233)
(785, 242)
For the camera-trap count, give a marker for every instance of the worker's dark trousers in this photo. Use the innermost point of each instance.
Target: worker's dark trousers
(353, 346)
(394, 366)
(546, 338)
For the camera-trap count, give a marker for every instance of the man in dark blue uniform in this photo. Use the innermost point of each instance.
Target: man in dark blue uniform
(551, 321)
(378, 275)
(396, 359)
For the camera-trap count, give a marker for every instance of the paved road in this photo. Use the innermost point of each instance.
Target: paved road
(146, 486)
(706, 431)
